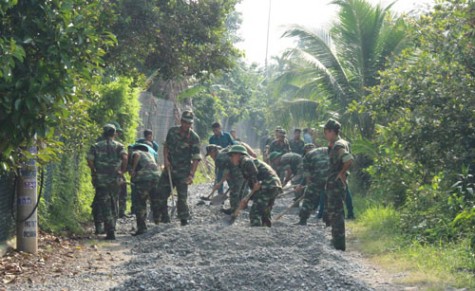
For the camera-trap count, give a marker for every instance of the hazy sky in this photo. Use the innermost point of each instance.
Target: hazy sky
(312, 13)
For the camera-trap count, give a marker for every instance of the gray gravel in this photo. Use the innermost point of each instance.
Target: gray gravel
(208, 254)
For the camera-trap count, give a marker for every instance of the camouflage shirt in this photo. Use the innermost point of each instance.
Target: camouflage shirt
(315, 165)
(183, 147)
(222, 161)
(107, 158)
(292, 161)
(278, 146)
(339, 153)
(255, 170)
(147, 169)
(296, 146)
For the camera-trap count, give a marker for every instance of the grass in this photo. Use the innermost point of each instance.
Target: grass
(440, 266)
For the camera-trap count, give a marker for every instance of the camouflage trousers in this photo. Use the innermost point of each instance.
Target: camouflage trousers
(105, 206)
(122, 199)
(335, 197)
(263, 201)
(145, 190)
(236, 189)
(312, 193)
(164, 191)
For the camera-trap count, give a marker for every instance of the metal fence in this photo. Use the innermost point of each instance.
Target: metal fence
(157, 115)
(7, 224)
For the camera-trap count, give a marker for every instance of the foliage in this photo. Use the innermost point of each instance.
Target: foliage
(342, 64)
(47, 50)
(174, 38)
(425, 106)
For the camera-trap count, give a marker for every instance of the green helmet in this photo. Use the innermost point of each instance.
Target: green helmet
(238, 149)
(308, 146)
(332, 124)
(117, 126)
(212, 147)
(274, 155)
(109, 128)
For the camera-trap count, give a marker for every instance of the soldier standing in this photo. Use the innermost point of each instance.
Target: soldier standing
(144, 175)
(262, 180)
(296, 144)
(315, 171)
(181, 153)
(280, 144)
(340, 162)
(107, 160)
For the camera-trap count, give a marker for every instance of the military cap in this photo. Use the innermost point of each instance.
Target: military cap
(108, 127)
(274, 155)
(238, 149)
(117, 126)
(187, 116)
(332, 124)
(212, 147)
(308, 146)
(140, 146)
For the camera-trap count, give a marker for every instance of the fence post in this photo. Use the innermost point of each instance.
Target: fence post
(26, 224)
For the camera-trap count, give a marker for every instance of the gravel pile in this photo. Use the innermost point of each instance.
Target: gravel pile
(210, 254)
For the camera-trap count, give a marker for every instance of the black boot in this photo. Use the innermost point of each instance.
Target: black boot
(183, 222)
(228, 211)
(139, 232)
(110, 235)
(99, 228)
(302, 222)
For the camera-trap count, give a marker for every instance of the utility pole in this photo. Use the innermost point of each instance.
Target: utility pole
(267, 40)
(27, 224)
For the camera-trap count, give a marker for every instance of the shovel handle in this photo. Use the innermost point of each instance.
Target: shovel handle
(243, 201)
(288, 208)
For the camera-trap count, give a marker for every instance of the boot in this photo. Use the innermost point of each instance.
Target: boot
(110, 235)
(99, 228)
(266, 222)
(183, 222)
(302, 221)
(165, 219)
(227, 211)
(139, 232)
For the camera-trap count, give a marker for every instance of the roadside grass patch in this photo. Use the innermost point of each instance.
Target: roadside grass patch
(376, 233)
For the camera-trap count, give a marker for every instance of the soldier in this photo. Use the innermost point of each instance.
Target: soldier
(181, 153)
(119, 135)
(144, 175)
(262, 180)
(280, 144)
(296, 144)
(340, 162)
(315, 171)
(223, 139)
(107, 160)
(148, 136)
(231, 173)
(289, 167)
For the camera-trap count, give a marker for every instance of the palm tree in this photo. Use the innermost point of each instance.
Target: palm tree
(343, 63)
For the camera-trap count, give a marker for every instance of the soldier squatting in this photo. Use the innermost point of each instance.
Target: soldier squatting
(318, 175)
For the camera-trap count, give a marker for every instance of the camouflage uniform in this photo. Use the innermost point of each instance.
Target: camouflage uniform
(183, 147)
(106, 156)
(315, 171)
(339, 154)
(254, 170)
(296, 146)
(235, 178)
(145, 179)
(279, 146)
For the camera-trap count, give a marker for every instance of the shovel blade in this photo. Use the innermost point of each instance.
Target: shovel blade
(219, 199)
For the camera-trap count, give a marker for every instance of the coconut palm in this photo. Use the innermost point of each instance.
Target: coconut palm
(341, 64)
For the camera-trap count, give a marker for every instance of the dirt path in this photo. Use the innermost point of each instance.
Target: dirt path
(205, 255)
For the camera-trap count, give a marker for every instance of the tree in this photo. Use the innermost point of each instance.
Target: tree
(171, 38)
(341, 65)
(47, 51)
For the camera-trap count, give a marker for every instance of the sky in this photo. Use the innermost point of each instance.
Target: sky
(311, 13)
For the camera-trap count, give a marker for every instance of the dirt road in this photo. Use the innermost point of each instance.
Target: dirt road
(210, 255)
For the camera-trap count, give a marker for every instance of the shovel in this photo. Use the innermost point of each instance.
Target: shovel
(290, 207)
(219, 199)
(241, 206)
(172, 193)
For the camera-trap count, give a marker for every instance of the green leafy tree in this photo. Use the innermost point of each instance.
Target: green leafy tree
(425, 106)
(47, 50)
